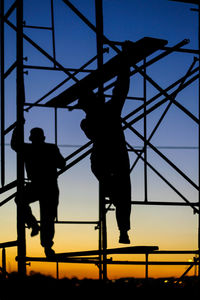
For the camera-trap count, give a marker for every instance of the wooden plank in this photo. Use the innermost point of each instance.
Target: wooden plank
(137, 52)
(83, 254)
(121, 250)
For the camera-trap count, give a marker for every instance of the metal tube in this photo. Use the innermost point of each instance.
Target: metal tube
(57, 270)
(20, 162)
(146, 266)
(166, 181)
(53, 32)
(57, 69)
(4, 262)
(10, 10)
(30, 41)
(102, 213)
(167, 89)
(199, 138)
(145, 135)
(10, 70)
(38, 27)
(2, 94)
(64, 81)
(165, 111)
(163, 92)
(8, 244)
(159, 103)
(112, 262)
(89, 24)
(168, 203)
(77, 222)
(163, 157)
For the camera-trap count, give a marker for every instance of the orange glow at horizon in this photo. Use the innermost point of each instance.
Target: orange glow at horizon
(70, 238)
(115, 271)
(91, 271)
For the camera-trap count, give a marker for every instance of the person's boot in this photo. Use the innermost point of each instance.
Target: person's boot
(35, 230)
(49, 252)
(124, 238)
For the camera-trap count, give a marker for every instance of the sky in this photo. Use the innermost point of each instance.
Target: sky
(169, 227)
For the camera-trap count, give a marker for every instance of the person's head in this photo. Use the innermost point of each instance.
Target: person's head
(37, 135)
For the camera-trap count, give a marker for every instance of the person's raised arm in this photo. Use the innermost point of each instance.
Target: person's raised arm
(121, 88)
(15, 138)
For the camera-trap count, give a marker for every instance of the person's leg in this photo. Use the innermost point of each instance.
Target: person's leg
(48, 213)
(121, 198)
(117, 187)
(30, 220)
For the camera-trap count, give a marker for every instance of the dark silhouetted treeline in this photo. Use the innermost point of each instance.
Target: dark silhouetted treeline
(40, 286)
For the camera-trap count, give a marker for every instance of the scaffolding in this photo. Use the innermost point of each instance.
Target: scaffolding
(96, 80)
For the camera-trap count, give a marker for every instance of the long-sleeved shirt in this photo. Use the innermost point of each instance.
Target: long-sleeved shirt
(103, 126)
(41, 160)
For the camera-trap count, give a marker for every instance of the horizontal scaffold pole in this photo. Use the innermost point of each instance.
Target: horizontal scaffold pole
(8, 244)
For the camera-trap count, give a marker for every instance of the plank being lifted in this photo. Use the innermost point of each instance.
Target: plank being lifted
(135, 53)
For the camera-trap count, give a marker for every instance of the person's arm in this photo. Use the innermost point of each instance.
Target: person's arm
(15, 139)
(121, 88)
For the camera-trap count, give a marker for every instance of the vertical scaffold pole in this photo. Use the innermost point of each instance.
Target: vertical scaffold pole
(145, 135)
(199, 136)
(53, 31)
(102, 210)
(20, 123)
(2, 93)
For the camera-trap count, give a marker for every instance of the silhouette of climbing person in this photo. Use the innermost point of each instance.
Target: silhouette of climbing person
(41, 161)
(109, 157)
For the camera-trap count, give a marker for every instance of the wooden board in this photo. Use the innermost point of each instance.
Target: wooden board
(59, 257)
(137, 52)
(121, 250)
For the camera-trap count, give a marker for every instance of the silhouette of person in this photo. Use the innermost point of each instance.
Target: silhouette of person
(41, 161)
(109, 157)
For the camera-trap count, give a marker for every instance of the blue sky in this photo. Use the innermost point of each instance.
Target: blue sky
(75, 45)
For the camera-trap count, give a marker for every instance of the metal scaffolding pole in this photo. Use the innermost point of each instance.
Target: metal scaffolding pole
(145, 135)
(102, 210)
(20, 159)
(199, 137)
(2, 94)
(53, 31)
(196, 2)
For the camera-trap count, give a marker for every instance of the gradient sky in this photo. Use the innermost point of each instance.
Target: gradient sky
(170, 228)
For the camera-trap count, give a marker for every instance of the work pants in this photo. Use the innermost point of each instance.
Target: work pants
(48, 201)
(117, 187)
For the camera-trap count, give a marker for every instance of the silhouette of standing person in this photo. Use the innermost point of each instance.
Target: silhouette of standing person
(41, 161)
(109, 158)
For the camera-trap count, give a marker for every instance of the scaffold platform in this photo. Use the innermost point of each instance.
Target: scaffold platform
(64, 257)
